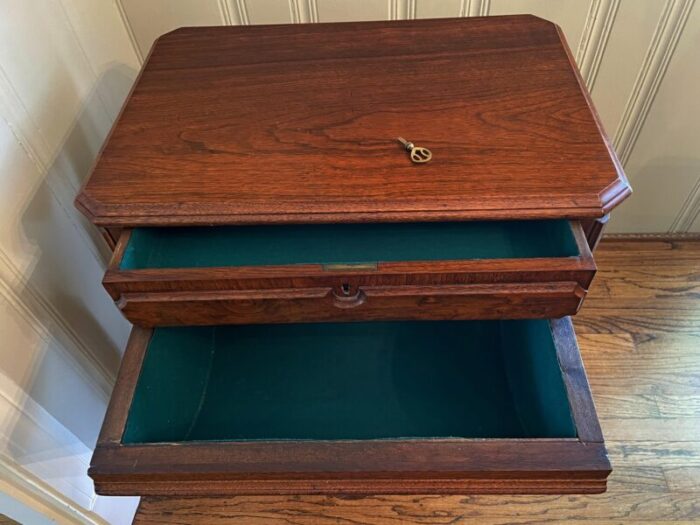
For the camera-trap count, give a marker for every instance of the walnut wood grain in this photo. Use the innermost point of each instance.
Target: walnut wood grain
(407, 466)
(478, 301)
(641, 381)
(593, 229)
(123, 393)
(297, 123)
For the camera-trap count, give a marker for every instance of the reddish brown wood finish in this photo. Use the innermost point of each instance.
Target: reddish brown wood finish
(468, 289)
(593, 229)
(355, 467)
(297, 123)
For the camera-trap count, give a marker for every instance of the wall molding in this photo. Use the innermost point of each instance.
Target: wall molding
(295, 12)
(663, 43)
(402, 9)
(129, 31)
(225, 13)
(475, 8)
(689, 211)
(411, 9)
(39, 309)
(43, 465)
(30, 490)
(312, 10)
(594, 40)
(305, 11)
(34, 446)
(238, 12)
(52, 327)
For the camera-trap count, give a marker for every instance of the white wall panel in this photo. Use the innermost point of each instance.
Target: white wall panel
(270, 11)
(627, 45)
(569, 14)
(441, 9)
(151, 18)
(52, 78)
(664, 167)
(110, 53)
(357, 10)
(65, 68)
(695, 225)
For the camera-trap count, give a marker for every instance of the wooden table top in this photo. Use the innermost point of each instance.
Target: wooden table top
(298, 123)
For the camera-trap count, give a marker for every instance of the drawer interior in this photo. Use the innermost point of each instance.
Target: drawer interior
(358, 381)
(182, 247)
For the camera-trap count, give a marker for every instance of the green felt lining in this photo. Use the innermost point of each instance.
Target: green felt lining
(470, 379)
(346, 243)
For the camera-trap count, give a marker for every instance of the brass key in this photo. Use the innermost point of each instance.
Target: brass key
(417, 153)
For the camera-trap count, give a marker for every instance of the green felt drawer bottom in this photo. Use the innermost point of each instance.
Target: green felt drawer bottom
(359, 381)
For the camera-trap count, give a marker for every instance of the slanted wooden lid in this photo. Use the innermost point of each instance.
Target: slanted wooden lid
(298, 123)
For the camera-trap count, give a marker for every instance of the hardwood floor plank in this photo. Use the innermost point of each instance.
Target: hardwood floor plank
(652, 507)
(683, 479)
(645, 429)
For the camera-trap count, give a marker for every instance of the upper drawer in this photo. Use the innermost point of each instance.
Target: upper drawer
(254, 274)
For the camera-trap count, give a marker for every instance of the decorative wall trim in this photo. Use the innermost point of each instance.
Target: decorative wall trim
(411, 9)
(402, 9)
(688, 212)
(393, 10)
(225, 13)
(475, 8)
(464, 8)
(40, 309)
(306, 11)
(32, 488)
(35, 446)
(50, 325)
(594, 40)
(238, 12)
(129, 30)
(295, 14)
(33, 438)
(312, 10)
(663, 43)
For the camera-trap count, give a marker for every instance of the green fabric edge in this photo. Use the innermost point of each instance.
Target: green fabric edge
(220, 246)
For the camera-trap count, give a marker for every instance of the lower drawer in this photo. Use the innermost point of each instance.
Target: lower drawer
(384, 407)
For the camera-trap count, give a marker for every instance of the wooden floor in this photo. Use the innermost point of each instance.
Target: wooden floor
(639, 332)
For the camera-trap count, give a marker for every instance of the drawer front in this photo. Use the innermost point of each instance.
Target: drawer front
(479, 288)
(503, 301)
(383, 407)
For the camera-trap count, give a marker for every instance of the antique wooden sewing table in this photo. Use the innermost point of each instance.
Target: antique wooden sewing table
(314, 312)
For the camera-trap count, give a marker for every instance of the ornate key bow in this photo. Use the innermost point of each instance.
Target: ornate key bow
(418, 154)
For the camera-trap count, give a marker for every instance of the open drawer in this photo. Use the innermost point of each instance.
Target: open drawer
(349, 272)
(382, 407)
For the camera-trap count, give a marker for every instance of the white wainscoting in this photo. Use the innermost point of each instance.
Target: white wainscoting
(65, 69)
